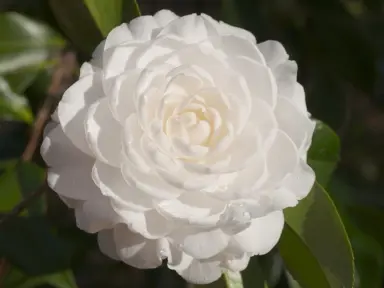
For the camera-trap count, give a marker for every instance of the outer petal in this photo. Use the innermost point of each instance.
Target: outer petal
(274, 53)
(164, 17)
(142, 27)
(191, 28)
(282, 158)
(107, 245)
(112, 184)
(200, 244)
(70, 172)
(227, 29)
(293, 122)
(286, 78)
(104, 133)
(72, 108)
(193, 270)
(301, 180)
(95, 215)
(150, 224)
(261, 236)
(135, 250)
(118, 35)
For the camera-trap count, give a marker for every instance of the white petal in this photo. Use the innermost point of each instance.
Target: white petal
(107, 245)
(118, 35)
(194, 271)
(142, 27)
(73, 107)
(227, 29)
(150, 224)
(87, 69)
(260, 80)
(263, 118)
(301, 180)
(299, 98)
(282, 158)
(274, 53)
(236, 46)
(96, 215)
(135, 250)
(286, 78)
(199, 244)
(103, 133)
(236, 264)
(292, 121)
(164, 17)
(193, 207)
(112, 184)
(262, 235)
(117, 60)
(70, 172)
(190, 27)
(121, 95)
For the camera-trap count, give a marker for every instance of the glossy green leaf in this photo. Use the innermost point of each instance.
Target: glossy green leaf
(324, 152)
(12, 105)
(16, 279)
(29, 244)
(25, 47)
(75, 20)
(317, 223)
(300, 260)
(106, 13)
(10, 193)
(130, 10)
(18, 181)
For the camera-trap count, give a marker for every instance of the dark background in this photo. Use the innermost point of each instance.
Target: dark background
(339, 47)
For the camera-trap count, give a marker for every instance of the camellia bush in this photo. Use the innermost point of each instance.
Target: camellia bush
(181, 142)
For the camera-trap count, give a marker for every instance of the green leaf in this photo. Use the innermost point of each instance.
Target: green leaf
(16, 279)
(300, 261)
(25, 47)
(75, 20)
(17, 182)
(12, 105)
(106, 13)
(317, 223)
(29, 244)
(10, 193)
(369, 259)
(253, 275)
(324, 152)
(130, 10)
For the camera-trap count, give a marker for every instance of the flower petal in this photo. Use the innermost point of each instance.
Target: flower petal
(95, 215)
(117, 36)
(293, 122)
(72, 109)
(103, 133)
(262, 235)
(286, 78)
(107, 245)
(121, 95)
(149, 224)
(70, 172)
(273, 52)
(135, 250)
(282, 158)
(199, 244)
(112, 184)
(142, 27)
(193, 270)
(301, 180)
(164, 17)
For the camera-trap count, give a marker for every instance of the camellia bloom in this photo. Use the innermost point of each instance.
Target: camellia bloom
(183, 140)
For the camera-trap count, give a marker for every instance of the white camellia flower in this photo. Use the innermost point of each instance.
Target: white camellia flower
(183, 140)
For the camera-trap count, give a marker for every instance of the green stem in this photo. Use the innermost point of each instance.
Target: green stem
(233, 279)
